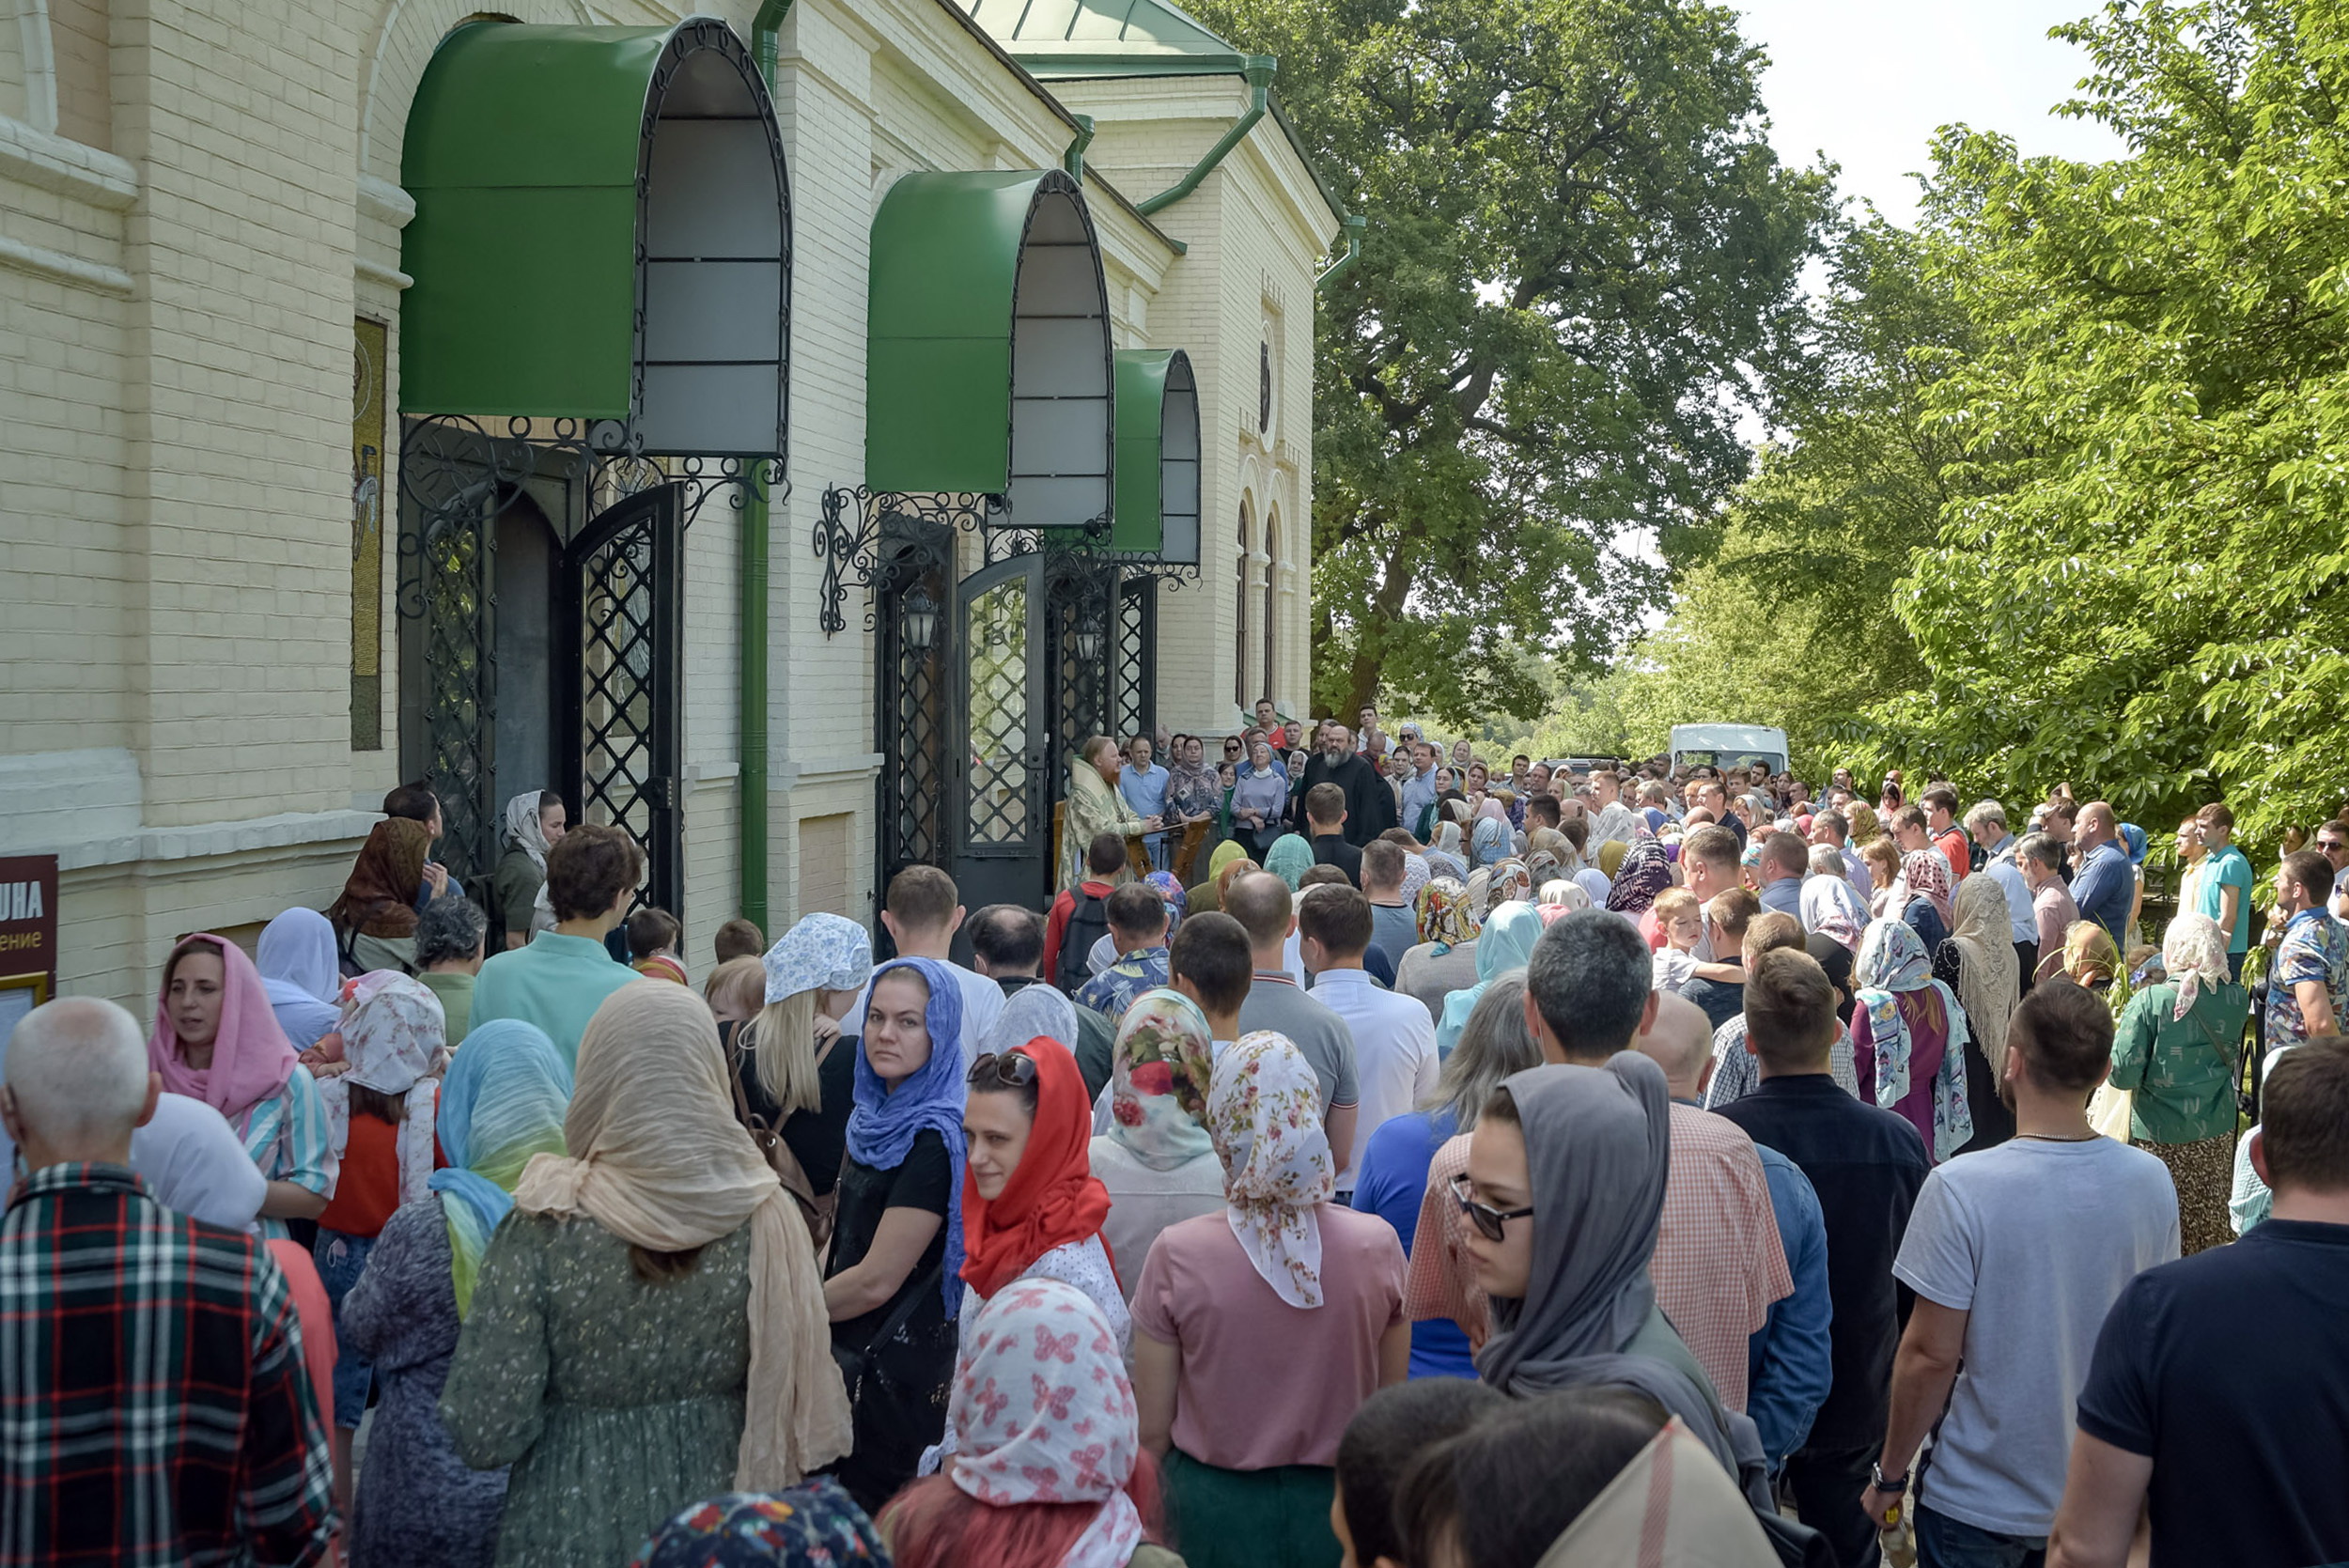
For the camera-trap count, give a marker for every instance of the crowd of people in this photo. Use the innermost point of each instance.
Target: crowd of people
(1372, 1155)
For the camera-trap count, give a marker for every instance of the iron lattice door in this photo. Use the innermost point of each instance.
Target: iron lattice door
(625, 578)
(1135, 666)
(913, 659)
(1000, 828)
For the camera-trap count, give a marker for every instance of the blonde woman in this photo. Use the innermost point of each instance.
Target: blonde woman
(796, 1074)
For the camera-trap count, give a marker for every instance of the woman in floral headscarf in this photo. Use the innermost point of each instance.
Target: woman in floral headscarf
(1049, 1470)
(1908, 1038)
(815, 1526)
(379, 1123)
(1156, 1159)
(2177, 1050)
(1445, 958)
(1646, 871)
(1303, 1303)
(1921, 899)
(796, 1066)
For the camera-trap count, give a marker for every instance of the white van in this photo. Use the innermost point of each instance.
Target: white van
(1728, 746)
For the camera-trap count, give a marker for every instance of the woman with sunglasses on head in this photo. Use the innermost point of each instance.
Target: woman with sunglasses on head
(894, 1280)
(1260, 1331)
(1031, 1207)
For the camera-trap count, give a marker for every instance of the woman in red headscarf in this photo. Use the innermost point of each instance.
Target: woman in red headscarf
(1031, 1207)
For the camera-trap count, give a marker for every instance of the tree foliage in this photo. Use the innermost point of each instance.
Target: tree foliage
(2064, 493)
(2145, 588)
(1581, 261)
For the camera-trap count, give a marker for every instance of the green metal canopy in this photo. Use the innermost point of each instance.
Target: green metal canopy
(601, 232)
(987, 349)
(1157, 456)
(1106, 38)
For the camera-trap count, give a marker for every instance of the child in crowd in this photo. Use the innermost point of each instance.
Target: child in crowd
(1390, 1431)
(738, 939)
(1683, 920)
(653, 938)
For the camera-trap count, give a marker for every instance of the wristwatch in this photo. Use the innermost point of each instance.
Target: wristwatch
(1892, 1486)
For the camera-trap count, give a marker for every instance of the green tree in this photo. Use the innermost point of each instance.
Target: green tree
(2147, 589)
(1581, 262)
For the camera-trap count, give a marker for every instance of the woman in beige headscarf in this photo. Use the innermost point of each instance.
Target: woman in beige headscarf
(648, 1327)
(1977, 961)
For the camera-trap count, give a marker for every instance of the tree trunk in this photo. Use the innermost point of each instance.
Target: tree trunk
(1386, 606)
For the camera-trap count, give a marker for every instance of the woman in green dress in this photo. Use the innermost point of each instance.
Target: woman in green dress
(2176, 1050)
(648, 1327)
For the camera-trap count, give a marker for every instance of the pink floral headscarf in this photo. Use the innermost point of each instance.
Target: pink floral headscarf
(252, 1059)
(1923, 875)
(1264, 1111)
(393, 1034)
(1043, 1413)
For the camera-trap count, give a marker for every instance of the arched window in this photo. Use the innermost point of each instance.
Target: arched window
(1240, 693)
(1272, 596)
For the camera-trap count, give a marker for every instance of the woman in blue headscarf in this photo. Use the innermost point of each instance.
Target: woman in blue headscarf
(1506, 943)
(895, 1281)
(501, 1103)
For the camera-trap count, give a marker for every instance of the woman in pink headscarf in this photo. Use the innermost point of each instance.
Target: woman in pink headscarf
(216, 1039)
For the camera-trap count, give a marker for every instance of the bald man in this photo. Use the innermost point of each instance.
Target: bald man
(2103, 883)
(1788, 1352)
(1719, 1264)
(214, 1452)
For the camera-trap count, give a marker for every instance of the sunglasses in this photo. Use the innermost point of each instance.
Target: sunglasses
(1001, 1070)
(1490, 1222)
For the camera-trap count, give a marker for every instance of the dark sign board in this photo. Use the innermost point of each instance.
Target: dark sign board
(28, 934)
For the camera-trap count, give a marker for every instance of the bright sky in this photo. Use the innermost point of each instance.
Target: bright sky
(1867, 82)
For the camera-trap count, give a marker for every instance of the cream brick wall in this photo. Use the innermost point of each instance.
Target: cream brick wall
(175, 379)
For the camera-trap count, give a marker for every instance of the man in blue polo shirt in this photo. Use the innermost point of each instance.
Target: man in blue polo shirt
(2103, 885)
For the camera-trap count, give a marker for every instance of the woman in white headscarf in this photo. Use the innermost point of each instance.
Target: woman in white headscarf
(1303, 1303)
(534, 825)
(299, 971)
(665, 1219)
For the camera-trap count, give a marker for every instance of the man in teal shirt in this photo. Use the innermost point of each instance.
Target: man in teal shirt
(562, 976)
(2222, 885)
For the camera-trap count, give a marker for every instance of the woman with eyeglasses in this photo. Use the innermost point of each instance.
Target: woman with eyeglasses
(1259, 1331)
(894, 1280)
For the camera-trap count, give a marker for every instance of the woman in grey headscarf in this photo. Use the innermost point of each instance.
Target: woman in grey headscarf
(1597, 1144)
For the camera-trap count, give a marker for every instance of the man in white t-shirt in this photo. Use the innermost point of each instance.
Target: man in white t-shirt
(1394, 1037)
(2015, 1254)
(922, 912)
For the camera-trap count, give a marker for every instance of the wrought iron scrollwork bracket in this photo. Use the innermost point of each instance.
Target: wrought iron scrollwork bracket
(850, 526)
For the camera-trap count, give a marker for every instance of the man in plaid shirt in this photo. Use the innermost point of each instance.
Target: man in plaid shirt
(154, 1408)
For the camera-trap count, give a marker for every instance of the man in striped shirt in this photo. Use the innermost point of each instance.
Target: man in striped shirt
(156, 1406)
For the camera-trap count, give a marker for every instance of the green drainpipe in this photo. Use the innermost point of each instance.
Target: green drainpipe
(1354, 224)
(1074, 158)
(1258, 70)
(753, 720)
